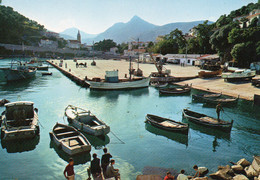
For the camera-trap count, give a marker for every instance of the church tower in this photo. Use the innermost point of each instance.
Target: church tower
(79, 37)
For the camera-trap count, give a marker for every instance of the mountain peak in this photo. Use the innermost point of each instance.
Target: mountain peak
(135, 18)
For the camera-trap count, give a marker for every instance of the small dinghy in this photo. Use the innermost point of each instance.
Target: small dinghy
(205, 120)
(158, 84)
(19, 121)
(206, 95)
(175, 91)
(85, 121)
(69, 139)
(222, 101)
(167, 124)
(47, 74)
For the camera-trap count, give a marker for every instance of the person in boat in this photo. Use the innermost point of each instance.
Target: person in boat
(105, 160)
(69, 170)
(200, 171)
(95, 168)
(168, 176)
(182, 176)
(218, 109)
(111, 172)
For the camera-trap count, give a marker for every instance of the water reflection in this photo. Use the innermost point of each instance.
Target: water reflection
(177, 137)
(98, 142)
(20, 145)
(78, 159)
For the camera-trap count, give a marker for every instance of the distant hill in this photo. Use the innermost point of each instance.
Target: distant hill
(71, 33)
(133, 29)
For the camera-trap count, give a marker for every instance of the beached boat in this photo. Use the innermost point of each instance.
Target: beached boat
(239, 75)
(206, 95)
(19, 121)
(85, 121)
(159, 84)
(205, 120)
(176, 90)
(18, 71)
(111, 82)
(204, 74)
(69, 139)
(167, 124)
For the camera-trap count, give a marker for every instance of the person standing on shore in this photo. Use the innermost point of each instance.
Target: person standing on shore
(200, 171)
(168, 176)
(105, 160)
(95, 168)
(218, 109)
(182, 176)
(69, 170)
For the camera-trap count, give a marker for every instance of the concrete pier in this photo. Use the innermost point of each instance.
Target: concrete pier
(217, 85)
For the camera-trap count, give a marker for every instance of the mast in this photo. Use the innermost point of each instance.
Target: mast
(93, 50)
(130, 68)
(138, 54)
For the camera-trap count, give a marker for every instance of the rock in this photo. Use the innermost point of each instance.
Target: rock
(224, 172)
(237, 168)
(256, 163)
(251, 172)
(240, 177)
(243, 162)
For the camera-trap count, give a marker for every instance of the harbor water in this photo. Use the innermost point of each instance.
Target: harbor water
(133, 143)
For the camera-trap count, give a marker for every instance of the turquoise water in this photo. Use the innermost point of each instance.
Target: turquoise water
(141, 145)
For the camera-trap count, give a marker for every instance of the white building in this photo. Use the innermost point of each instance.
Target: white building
(48, 43)
(113, 50)
(73, 44)
(181, 58)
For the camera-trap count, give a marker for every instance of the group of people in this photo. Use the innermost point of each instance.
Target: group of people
(200, 172)
(98, 170)
(81, 64)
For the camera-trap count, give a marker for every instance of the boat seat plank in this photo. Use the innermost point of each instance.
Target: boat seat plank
(209, 119)
(66, 133)
(169, 124)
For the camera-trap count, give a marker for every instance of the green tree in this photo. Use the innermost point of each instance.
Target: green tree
(104, 45)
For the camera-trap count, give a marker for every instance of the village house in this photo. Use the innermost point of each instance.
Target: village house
(75, 44)
(188, 59)
(253, 14)
(48, 43)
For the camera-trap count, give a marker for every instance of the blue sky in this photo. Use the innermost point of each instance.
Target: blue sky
(95, 16)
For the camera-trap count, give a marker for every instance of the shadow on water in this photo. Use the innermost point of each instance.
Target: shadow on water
(78, 159)
(20, 145)
(97, 142)
(113, 95)
(177, 137)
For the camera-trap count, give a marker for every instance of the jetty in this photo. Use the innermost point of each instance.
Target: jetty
(179, 75)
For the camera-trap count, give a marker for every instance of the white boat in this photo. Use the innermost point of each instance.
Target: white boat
(19, 121)
(18, 71)
(241, 74)
(69, 139)
(85, 121)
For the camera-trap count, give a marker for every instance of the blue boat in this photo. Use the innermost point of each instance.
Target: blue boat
(18, 71)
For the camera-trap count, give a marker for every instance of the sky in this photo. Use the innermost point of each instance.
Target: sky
(95, 16)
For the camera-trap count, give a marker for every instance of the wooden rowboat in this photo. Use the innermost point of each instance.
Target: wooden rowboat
(158, 84)
(85, 121)
(167, 124)
(175, 91)
(222, 101)
(208, 121)
(206, 95)
(204, 74)
(69, 139)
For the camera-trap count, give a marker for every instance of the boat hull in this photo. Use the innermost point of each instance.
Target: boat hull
(14, 75)
(143, 83)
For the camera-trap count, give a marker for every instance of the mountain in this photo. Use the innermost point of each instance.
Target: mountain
(71, 33)
(132, 30)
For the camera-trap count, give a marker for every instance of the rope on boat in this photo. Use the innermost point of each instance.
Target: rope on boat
(40, 124)
(228, 115)
(122, 142)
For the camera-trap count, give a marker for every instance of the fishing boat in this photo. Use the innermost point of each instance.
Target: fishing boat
(204, 74)
(18, 71)
(205, 95)
(34, 62)
(208, 121)
(176, 90)
(167, 124)
(69, 139)
(158, 84)
(19, 121)
(85, 121)
(239, 75)
(222, 101)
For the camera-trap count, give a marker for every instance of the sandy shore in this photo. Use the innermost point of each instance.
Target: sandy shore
(243, 90)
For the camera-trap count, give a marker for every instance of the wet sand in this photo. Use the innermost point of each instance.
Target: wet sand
(217, 85)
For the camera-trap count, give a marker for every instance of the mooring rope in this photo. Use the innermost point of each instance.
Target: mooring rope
(122, 142)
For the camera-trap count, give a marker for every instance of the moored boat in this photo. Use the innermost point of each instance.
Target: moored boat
(47, 74)
(19, 121)
(167, 124)
(208, 121)
(222, 101)
(18, 71)
(69, 139)
(206, 95)
(204, 74)
(85, 121)
(239, 75)
(176, 90)
(159, 84)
